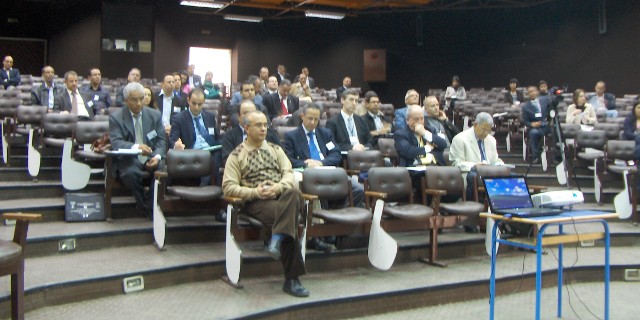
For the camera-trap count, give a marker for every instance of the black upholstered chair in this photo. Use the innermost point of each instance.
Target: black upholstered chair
(596, 141)
(613, 131)
(362, 161)
(57, 127)
(12, 260)
(620, 157)
(86, 133)
(388, 149)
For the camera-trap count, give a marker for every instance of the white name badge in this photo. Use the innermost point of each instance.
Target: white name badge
(152, 135)
(176, 109)
(429, 136)
(538, 115)
(354, 140)
(330, 146)
(90, 104)
(212, 131)
(442, 135)
(206, 91)
(96, 98)
(428, 148)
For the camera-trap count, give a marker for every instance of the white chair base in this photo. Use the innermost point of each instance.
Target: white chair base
(5, 144)
(75, 175)
(597, 186)
(561, 173)
(487, 235)
(382, 247)
(233, 254)
(621, 202)
(33, 157)
(159, 221)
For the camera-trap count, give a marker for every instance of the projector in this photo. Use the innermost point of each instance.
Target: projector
(557, 198)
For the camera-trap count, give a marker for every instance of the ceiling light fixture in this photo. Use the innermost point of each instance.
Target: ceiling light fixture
(324, 14)
(234, 17)
(202, 4)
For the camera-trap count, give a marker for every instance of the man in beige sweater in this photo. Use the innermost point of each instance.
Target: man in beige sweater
(260, 173)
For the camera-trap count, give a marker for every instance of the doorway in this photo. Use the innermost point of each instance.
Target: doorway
(215, 60)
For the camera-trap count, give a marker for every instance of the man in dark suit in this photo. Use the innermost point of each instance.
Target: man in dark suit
(72, 101)
(416, 143)
(437, 119)
(351, 131)
(346, 84)
(236, 135)
(135, 127)
(533, 117)
(282, 74)
(281, 104)
(310, 82)
(44, 94)
(8, 75)
(602, 100)
(195, 81)
(133, 76)
(379, 124)
(167, 103)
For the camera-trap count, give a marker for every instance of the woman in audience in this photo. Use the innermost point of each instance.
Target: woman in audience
(580, 112)
(211, 91)
(184, 77)
(513, 96)
(147, 101)
(454, 92)
(631, 127)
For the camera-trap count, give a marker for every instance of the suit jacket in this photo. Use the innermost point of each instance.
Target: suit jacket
(609, 100)
(272, 103)
(233, 138)
(371, 124)
(406, 145)
(277, 75)
(62, 102)
(296, 147)
(122, 134)
(40, 94)
(120, 97)
(182, 127)
(449, 128)
(465, 153)
(103, 102)
(509, 98)
(197, 81)
(339, 130)
(339, 92)
(177, 103)
(529, 113)
(400, 118)
(13, 78)
(312, 83)
(629, 127)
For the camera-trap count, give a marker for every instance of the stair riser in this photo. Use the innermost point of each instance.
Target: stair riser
(46, 174)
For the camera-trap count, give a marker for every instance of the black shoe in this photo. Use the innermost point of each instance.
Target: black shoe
(470, 229)
(295, 288)
(273, 249)
(319, 245)
(221, 216)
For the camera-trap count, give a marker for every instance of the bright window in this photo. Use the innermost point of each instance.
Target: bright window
(217, 61)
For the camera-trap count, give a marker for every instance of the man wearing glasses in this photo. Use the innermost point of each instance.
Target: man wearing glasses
(412, 97)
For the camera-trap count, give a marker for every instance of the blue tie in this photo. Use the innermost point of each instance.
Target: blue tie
(203, 132)
(481, 147)
(313, 150)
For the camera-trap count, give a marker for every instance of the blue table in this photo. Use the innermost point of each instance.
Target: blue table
(559, 239)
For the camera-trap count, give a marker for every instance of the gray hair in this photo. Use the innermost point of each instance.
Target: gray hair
(285, 82)
(484, 117)
(131, 87)
(349, 92)
(412, 108)
(246, 118)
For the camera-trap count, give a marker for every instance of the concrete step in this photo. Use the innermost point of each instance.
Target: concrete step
(47, 189)
(8, 174)
(52, 209)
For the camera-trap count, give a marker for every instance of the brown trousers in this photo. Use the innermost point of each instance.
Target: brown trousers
(281, 215)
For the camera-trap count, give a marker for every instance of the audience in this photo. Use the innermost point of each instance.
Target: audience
(603, 101)
(454, 92)
(177, 86)
(301, 89)
(631, 127)
(133, 76)
(282, 74)
(272, 85)
(99, 98)
(264, 76)
(260, 174)
(417, 143)
(351, 131)
(211, 91)
(412, 97)
(346, 84)
(544, 96)
(247, 92)
(184, 80)
(534, 119)
(9, 75)
(581, 112)
(310, 82)
(281, 104)
(44, 94)
(167, 103)
(194, 80)
(513, 96)
(437, 119)
(71, 101)
(148, 100)
(378, 124)
(137, 128)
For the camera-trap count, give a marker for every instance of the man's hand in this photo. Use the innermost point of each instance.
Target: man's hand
(179, 145)
(536, 124)
(146, 150)
(152, 163)
(266, 190)
(358, 147)
(420, 130)
(442, 116)
(64, 112)
(312, 163)
(167, 129)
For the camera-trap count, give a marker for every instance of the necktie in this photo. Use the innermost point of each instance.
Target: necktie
(313, 150)
(283, 107)
(139, 139)
(201, 129)
(74, 103)
(481, 147)
(352, 130)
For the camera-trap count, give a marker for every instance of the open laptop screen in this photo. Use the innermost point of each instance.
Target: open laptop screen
(508, 192)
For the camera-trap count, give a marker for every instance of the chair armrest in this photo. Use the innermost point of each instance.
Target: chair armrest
(435, 192)
(352, 172)
(233, 200)
(161, 174)
(374, 194)
(22, 216)
(309, 197)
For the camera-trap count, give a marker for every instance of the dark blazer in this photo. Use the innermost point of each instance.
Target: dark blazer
(406, 145)
(40, 94)
(371, 124)
(197, 81)
(509, 98)
(450, 129)
(339, 130)
(629, 127)
(272, 103)
(176, 102)
(339, 92)
(233, 138)
(120, 97)
(12, 80)
(296, 147)
(122, 134)
(277, 75)
(609, 100)
(529, 113)
(182, 128)
(62, 102)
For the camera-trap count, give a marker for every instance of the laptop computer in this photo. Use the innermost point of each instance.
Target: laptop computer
(510, 195)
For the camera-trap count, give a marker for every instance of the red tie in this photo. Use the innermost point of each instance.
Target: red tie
(283, 107)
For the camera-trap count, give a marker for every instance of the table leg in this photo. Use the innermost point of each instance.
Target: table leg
(539, 270)
(560, 268)
(492, 280)
(606, 269)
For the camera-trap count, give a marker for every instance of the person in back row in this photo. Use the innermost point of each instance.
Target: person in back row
(44, 94)
(350, 131)
(412, 97)
(437, 119)
(604, 101)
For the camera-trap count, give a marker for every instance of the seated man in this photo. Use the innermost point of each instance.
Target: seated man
(9, 76)
(44, 94)
(437, 120)
(72, 101)
(534, 118)
(416, 144)
(281, 104)
(100, 100)
(133, 76)
(350, 131)
(300, 88)
(167, 103)
(135, 127)
(260, 174)
(379, 124)
(236, 135)
(473, 147)
(400, 121)
(247, 92)
(602, 100)
(346, 85)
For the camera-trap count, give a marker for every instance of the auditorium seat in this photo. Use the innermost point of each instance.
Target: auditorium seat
(589, 146)
(361, 161)
(282, 131)
(613, 131)
(388, 149)
(620, 157)
(56, 128)
(84, 135)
